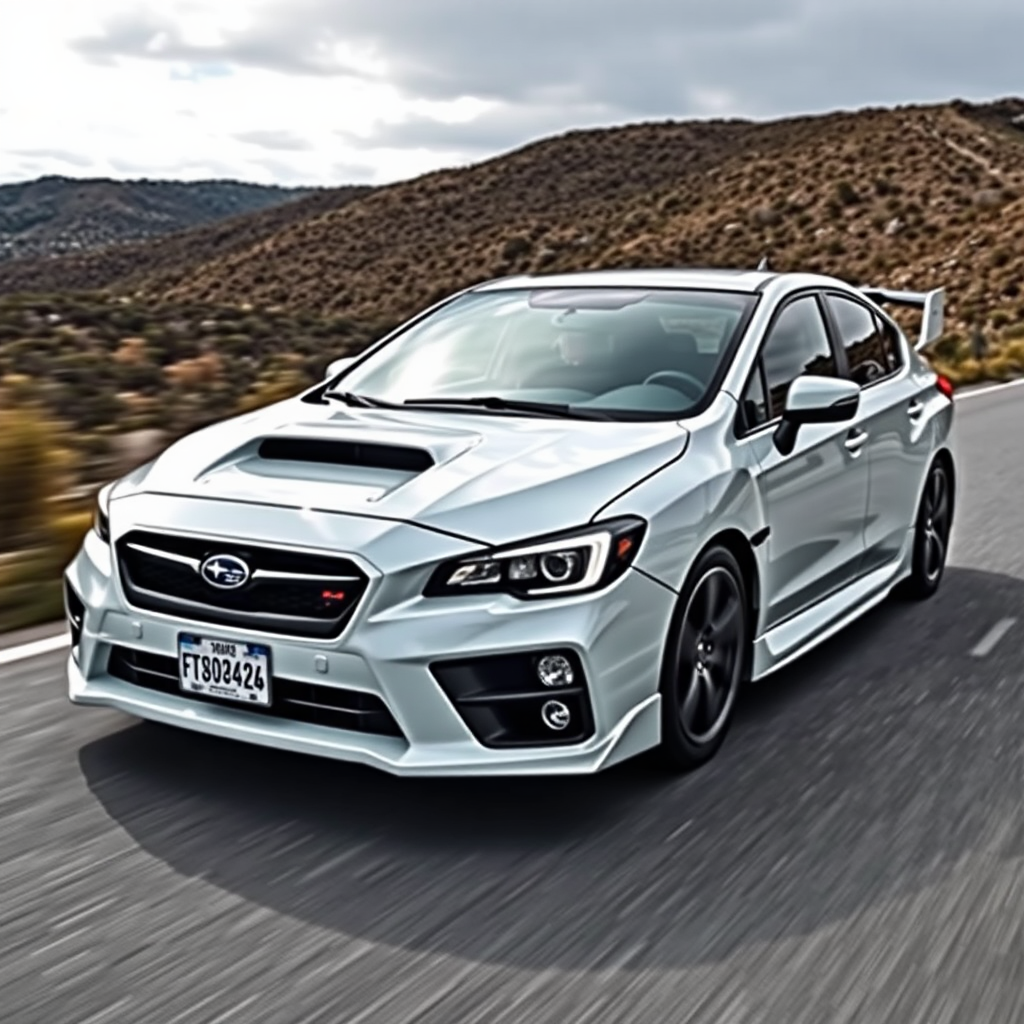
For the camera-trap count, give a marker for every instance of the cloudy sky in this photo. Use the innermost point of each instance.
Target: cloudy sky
(335, 91)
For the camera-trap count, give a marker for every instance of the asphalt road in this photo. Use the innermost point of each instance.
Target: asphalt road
(855, 853)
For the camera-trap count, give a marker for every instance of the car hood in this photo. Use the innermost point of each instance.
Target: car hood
(484, 477)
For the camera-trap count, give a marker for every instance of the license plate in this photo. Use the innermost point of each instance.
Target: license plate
(227, 669)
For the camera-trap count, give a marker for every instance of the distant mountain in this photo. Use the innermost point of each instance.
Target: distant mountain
(55, 215)
(169, 255)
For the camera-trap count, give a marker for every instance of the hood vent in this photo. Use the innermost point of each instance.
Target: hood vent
(346, 453)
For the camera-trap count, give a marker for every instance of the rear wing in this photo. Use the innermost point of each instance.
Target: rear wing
(931, 304)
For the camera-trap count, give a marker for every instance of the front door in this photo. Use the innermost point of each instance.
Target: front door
(816, 496)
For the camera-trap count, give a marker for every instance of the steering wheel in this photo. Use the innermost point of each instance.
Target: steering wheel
(868, 371)
(682, 378)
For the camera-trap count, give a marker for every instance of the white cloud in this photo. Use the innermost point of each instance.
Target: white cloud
(65, 112)
(313, 90)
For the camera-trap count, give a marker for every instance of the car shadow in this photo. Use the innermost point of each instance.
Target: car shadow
(858, 776)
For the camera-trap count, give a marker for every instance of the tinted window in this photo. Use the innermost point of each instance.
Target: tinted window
(653, 352)
(860, 333)
(891, 345)
(755, 401)
(797, 344)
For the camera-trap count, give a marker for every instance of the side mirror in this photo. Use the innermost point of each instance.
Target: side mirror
(333, 369)
(814, 399)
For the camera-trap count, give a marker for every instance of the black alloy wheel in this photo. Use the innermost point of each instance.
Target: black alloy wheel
(931, 535)
(707, 660)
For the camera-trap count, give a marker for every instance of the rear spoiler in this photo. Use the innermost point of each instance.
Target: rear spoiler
(931, 304)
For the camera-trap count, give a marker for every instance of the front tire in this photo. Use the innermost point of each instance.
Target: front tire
(706, 661)
(932, 530)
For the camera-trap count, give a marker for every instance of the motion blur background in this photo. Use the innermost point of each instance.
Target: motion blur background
(203, 203)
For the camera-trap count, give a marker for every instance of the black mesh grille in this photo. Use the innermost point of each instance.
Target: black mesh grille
(319, 606)
(296, 701)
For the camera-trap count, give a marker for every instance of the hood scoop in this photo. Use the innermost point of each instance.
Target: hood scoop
(332, 464)
(343, 452)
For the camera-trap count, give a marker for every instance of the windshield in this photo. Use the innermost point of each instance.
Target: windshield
(621, 352)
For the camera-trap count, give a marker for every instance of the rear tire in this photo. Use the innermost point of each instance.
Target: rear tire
(707, 659)
(932, 529)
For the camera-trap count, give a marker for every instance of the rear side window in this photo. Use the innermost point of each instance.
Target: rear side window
(892, 346)
(870, 344)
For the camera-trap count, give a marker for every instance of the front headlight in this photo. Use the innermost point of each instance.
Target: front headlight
(101, 519)
(569, 563)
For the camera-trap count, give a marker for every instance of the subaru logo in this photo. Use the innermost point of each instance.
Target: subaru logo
(224, 571)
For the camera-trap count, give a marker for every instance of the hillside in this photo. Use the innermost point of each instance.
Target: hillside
(120, 265)
(54, 215)
(916, 195)
(425, 214)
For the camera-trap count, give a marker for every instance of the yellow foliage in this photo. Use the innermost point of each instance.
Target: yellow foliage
(282, 385)
(66, 534)
(1000, 368)
(1014, 351)
(34, 469)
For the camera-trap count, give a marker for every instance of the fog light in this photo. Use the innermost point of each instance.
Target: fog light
(555, 714)
(555, 670)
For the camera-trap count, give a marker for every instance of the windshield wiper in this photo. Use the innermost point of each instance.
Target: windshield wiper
(499, 404)
(360, 401)
(482, 402)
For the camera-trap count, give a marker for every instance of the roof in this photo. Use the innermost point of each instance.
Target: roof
(716, 279)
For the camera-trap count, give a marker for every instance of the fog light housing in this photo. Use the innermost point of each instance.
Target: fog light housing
(527, 699)
(74, 613)
(556, 715)
(555, 670)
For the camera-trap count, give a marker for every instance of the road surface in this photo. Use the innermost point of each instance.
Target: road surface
(855, 853)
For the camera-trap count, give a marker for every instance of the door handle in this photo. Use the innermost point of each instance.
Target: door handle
(915, 409)
(855, 440)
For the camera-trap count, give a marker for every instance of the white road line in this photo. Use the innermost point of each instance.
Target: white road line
(988, 389)
(984, 646)
(33, 650)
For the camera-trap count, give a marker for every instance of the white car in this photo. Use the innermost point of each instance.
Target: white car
(548, 524)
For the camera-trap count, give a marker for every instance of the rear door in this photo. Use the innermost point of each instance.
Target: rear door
(873, 353)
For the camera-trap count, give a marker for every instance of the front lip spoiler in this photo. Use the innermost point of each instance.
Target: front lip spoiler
(638, 730)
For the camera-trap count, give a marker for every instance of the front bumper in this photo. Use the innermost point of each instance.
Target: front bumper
(390, 654)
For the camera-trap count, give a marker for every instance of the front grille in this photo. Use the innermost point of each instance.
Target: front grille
(291, 699)
(290, 593)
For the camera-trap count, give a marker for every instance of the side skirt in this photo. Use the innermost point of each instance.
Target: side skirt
(795, 637)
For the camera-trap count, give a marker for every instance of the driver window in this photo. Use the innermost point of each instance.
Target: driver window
(860, 336)
(797, 344)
